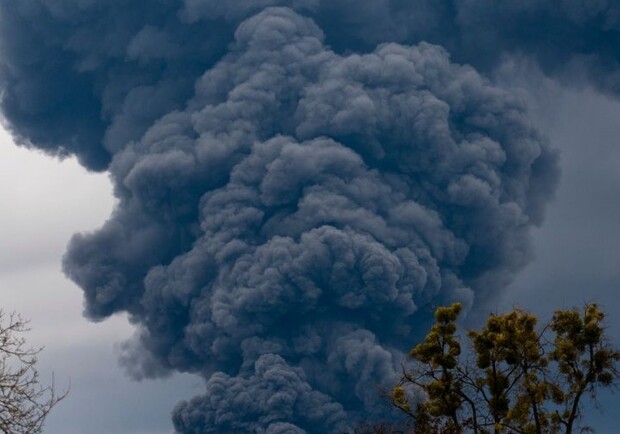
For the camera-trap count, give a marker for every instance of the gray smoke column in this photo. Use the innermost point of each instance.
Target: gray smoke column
(288, 215)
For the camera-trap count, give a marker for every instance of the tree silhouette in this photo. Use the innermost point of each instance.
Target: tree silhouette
(514, 377)
(24, 401)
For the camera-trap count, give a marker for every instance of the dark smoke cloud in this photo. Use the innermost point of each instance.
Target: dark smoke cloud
(288, 214)
(273, 393)
(300, 210)
(574, 40)
(85, 77)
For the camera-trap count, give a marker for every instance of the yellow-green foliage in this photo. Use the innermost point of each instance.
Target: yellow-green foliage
(515, 379)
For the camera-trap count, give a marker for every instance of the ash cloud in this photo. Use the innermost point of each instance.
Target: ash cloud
(84, 77)
(289, 213)
(575, 41)
(274, 392)
(306, 205)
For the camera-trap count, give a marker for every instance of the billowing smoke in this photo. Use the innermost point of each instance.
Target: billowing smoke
(85, 77)
(288, 213)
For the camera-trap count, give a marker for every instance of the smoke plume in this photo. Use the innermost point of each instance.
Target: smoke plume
(297, 184)
(84, 77)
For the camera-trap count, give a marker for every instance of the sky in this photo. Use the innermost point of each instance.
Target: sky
(37, 220)
(577, 250)
(259, 204)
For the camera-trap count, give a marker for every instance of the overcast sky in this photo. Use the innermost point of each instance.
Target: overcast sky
(578, 247)
(45, 200)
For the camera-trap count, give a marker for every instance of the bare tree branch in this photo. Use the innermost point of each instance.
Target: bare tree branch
(25, 402)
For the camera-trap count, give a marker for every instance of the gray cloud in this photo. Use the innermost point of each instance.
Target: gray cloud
(82, 77)
(288, 214)
(307, 204)
(274, 392)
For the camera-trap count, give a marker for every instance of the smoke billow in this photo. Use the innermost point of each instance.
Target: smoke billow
(292, 199)
(84, 77)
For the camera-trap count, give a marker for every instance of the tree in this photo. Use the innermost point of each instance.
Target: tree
(516, 376)
(24, 401)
